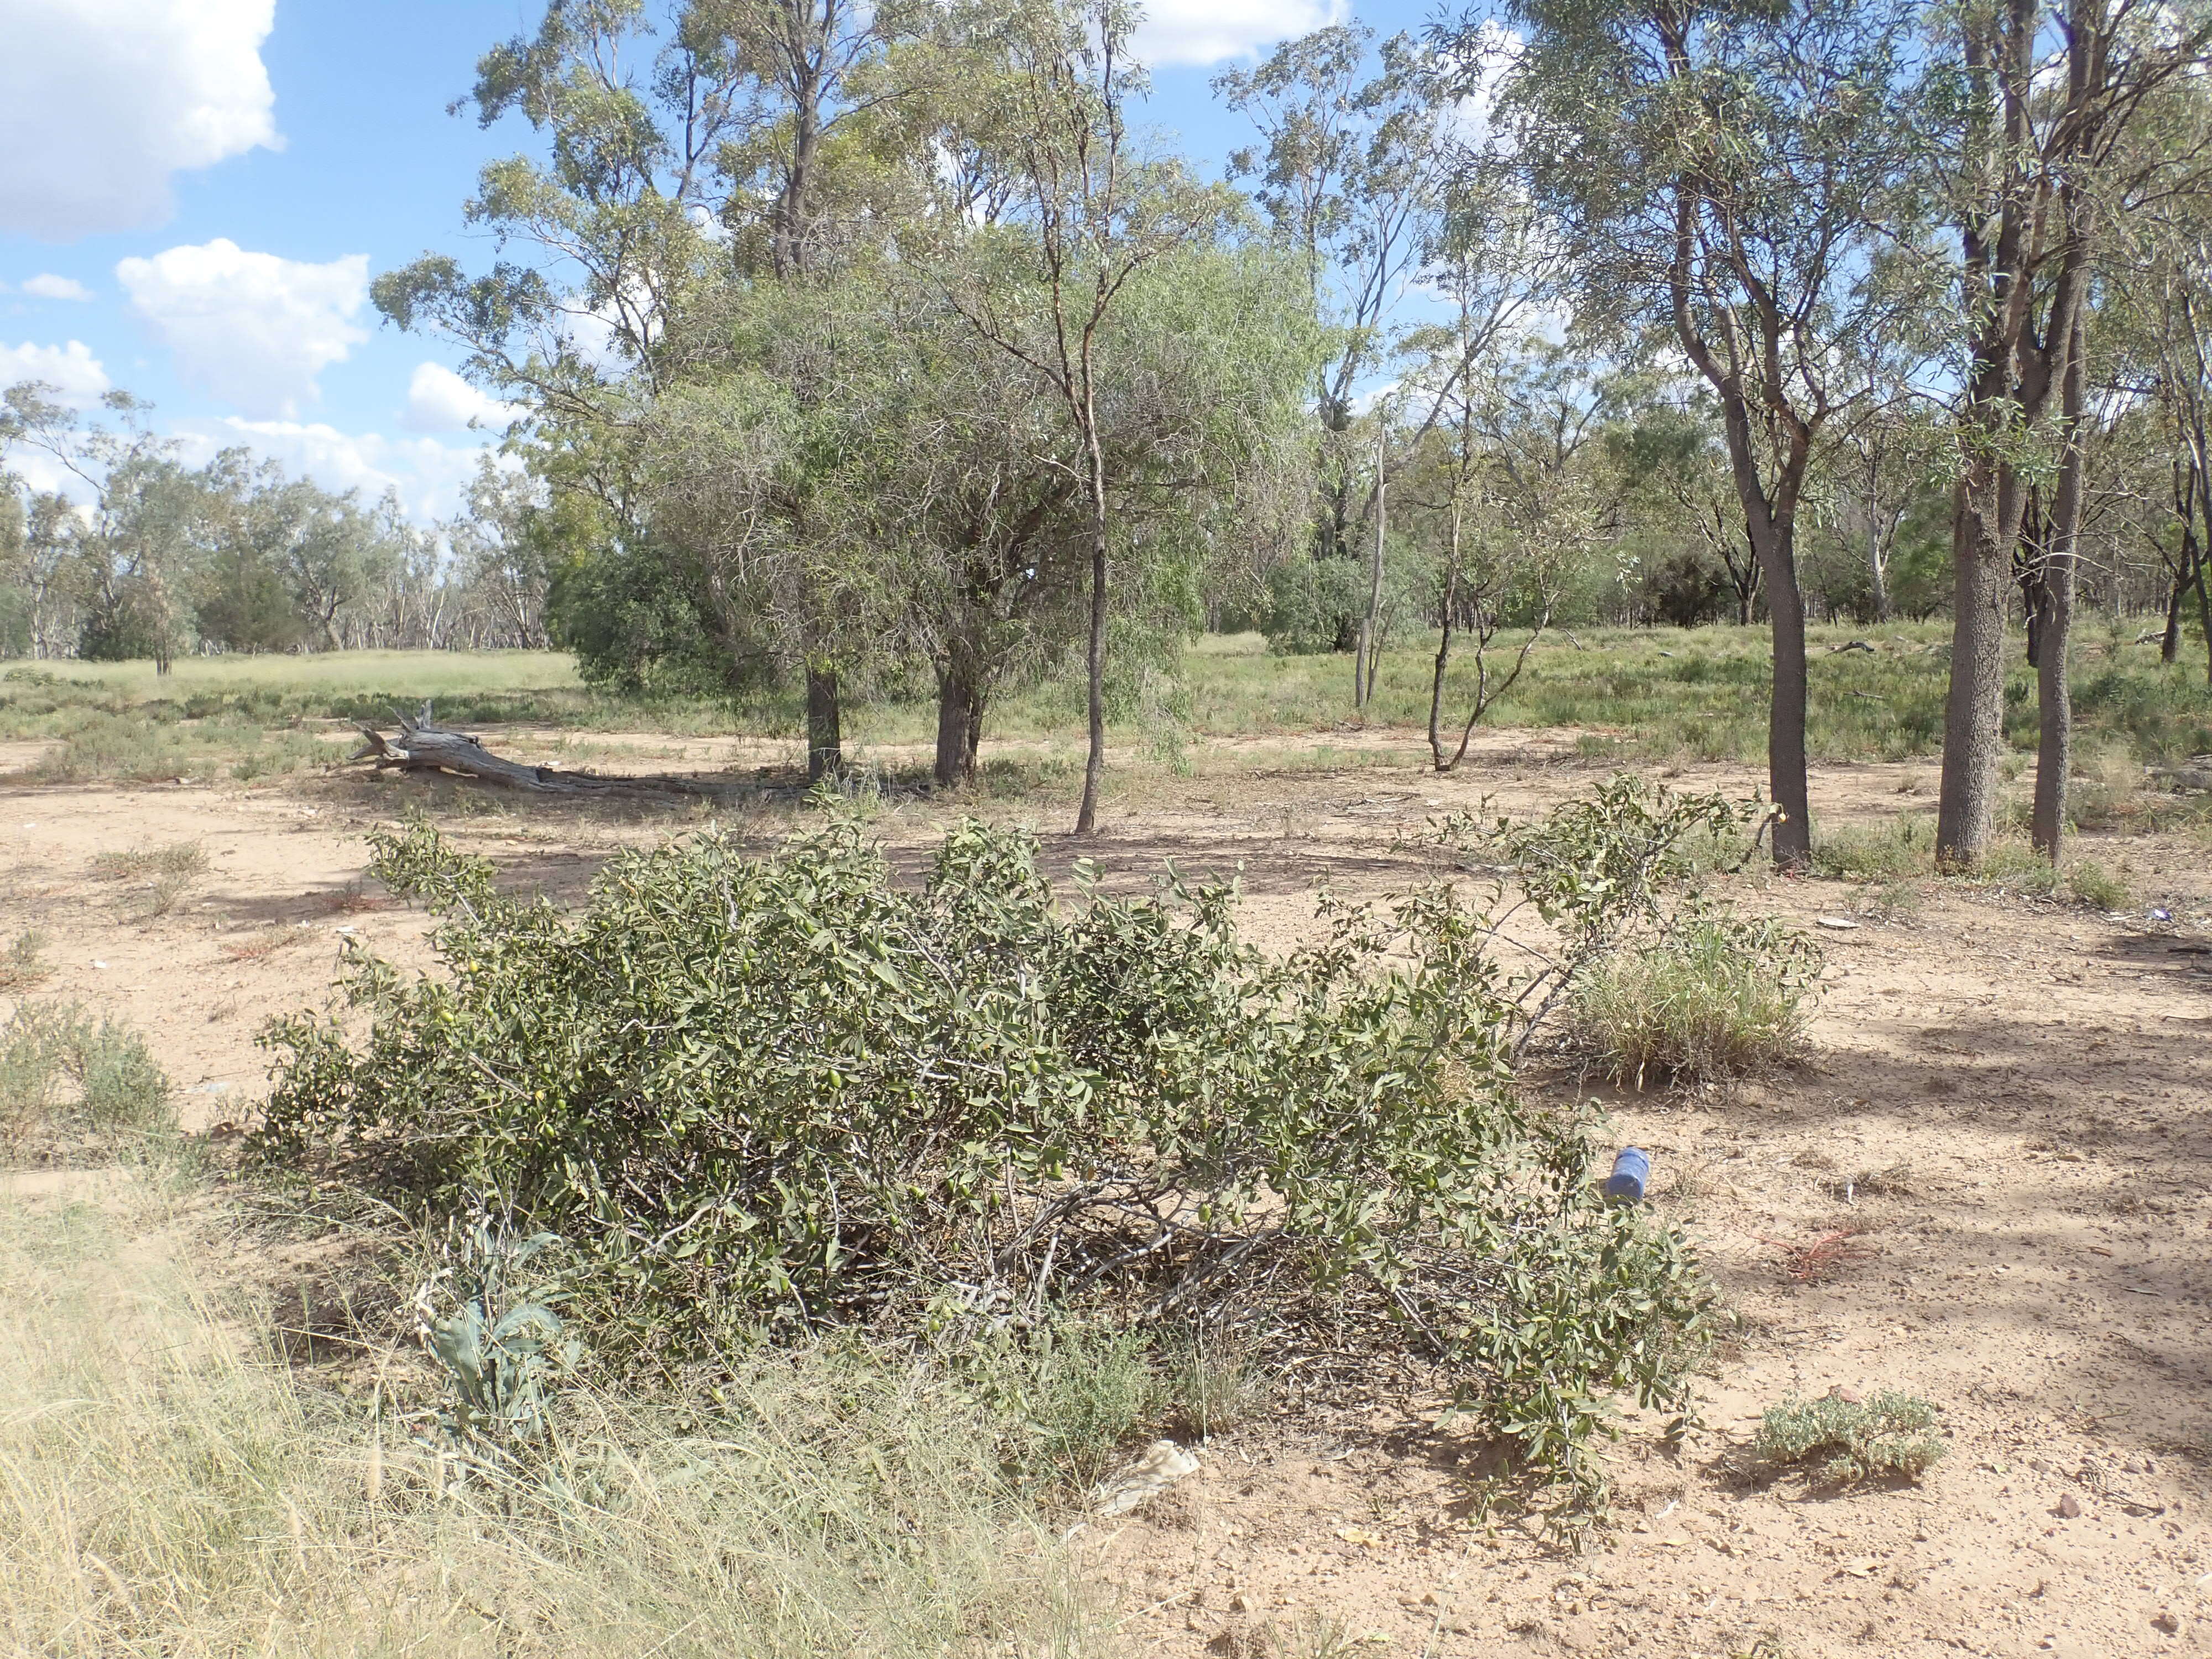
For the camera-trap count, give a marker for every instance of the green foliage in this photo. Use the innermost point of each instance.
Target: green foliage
(1314, 605)
(1899, 847)
(760, 1098)
(1714, 996)
(1889, 1433)
(64, 1076)
(502, 1348)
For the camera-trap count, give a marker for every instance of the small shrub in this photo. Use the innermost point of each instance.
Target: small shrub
(1715, 996)
(1215, 1382)
(1852, 1440)
(2095, 886)
(1897, 900)
(21, 964)
(62, 1075)
(2013, 866)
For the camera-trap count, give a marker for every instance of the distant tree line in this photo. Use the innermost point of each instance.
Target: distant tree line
(871, 349)
(140, 555)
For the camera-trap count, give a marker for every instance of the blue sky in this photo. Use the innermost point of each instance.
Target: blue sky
(195, 193)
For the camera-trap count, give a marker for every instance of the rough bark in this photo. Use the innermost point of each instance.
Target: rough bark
(825, 743)
(1973, 712)
(2054, 693)
(1786, 773)
(959, 726)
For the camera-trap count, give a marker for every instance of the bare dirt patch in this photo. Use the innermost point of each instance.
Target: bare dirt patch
(1997, 1167)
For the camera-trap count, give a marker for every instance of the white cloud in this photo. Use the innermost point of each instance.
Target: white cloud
(1493, 53)
(432, 478)
(47, 286)
(72, 368)
(1199, 32)
(439, 400)
(102, 101)
(251, 328)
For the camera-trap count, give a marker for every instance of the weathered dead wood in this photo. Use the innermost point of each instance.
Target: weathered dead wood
(423, 745)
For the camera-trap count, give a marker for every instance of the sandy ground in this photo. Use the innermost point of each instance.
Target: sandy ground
(2008, 1113)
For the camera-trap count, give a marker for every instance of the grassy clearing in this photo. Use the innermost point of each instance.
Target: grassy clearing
(167, 1486)
(1635, 695)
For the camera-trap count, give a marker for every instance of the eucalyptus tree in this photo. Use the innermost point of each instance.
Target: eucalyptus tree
(1737, 167)
(1352, 170)
(502, 551)
(1508, 416)
(699, 145)
(2041, 105)
(1086, 213)
(132, 545)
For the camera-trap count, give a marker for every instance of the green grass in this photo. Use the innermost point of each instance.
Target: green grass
(1716, 997)
(1638, 696)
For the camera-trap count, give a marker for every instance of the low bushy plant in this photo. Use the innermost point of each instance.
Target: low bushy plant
(65, 1076)
(23, 964)
(2092, 884)
(765, 1097)
(1714, 996)
(1852, 1440)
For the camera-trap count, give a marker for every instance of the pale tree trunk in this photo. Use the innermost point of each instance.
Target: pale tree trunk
(1444, 643)
(1877, 556)
(1370, 643)
(1086, 816)
(2054, 696)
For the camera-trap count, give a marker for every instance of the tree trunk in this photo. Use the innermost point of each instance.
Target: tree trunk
(1982, 541)
(1786, 781)
(1877, 561)
(1444, 645)
(1094, 763)
(825, 743)
(2205, 578)
(959, 726)
(2062, 536)
(1370, 642)
(2169, 643)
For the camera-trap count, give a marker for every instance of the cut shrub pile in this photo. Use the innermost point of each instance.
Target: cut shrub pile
(760, 1099)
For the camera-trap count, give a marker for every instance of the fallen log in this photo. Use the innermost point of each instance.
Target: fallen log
(423, 745)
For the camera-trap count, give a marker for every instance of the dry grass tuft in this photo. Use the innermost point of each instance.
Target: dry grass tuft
(167, 1486)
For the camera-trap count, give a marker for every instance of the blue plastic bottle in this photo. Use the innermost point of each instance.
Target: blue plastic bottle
(1630, 1170)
